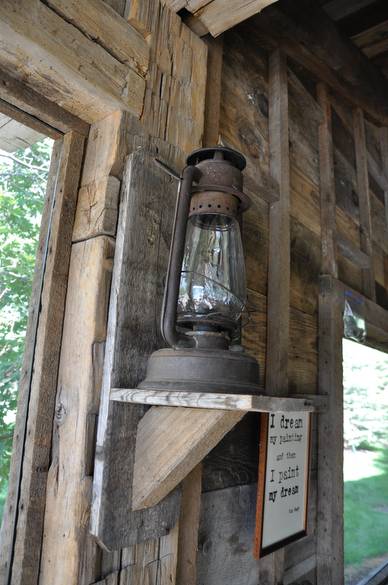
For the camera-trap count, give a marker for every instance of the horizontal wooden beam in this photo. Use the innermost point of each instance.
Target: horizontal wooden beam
(58, 60)
(238, 402)
(217, 16)
(17, 94)
(306, 33)
(103, 24)
(376, 170)
(352, 253)
(15, 114)
(373, 41)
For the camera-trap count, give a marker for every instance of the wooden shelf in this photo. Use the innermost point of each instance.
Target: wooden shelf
(182, 427)
(239, 402)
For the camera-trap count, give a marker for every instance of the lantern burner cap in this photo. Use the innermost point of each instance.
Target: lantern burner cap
(220, 153)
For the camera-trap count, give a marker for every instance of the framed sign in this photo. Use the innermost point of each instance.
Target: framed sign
(284, 465)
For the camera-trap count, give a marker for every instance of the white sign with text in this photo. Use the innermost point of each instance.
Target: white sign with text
(285, 489)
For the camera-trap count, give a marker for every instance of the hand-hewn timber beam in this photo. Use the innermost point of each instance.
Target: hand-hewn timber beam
(54, 56)
(305, 32)
(217, 16)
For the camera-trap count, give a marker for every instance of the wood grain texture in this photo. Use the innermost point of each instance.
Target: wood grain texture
(307, 34)
(28, 101)
(234, 460)
(374, 40)
(226, 537)
(368, 279)
(77, 412)
(60, 62)
(100, 22)
(244, 116)
(213, 92)
(170, 443)
(188, 528)
(22, 128)
(37, 399)
(174, 105)
(279, 230)
(384, 161)
(346, 248)
(375, 166)
(327, 186)
(97, 209)
(192, 400)
(217, 16)
(144, 232)
(66, 530)
(278, 295)
(330, 437)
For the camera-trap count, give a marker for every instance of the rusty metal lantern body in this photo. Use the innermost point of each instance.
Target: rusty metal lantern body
(205, 294)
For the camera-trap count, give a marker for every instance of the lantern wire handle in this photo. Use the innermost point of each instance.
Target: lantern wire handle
(169, 330)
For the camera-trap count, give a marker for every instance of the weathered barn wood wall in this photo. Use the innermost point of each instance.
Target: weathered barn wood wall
(171, 125)
(187, 88)
(244, 125)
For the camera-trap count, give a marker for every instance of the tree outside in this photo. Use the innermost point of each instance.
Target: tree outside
(23, 179)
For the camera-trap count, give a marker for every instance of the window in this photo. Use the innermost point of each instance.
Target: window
(365, 461)
(24, 168)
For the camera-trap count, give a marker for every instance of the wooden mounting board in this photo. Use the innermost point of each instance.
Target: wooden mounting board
(142, 244)
(242, 402)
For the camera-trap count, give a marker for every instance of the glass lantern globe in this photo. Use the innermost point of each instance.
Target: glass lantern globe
(212, 288)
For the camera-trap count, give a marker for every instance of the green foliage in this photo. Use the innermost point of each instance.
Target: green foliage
(23, 178)
(366, 515)
(365, 397)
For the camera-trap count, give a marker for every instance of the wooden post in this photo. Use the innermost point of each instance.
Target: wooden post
(82, 349)
(272, 567)
(140, 263)
(384, 165)
(213, 92)
(330, 568)
(279, 230)
(188, 528)
(368, 279)
(327, 185)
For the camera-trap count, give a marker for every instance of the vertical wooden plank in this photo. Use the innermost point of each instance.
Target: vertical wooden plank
(278, 311)
(142, 245)
(225, 545)
(279, 230)
(368, 279)
(188, 528)
(66, 531)
(330, 565)
(213, 91)
(37, 403)
(384, 160)
(327, 185)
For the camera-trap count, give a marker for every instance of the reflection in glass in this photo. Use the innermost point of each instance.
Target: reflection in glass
(212, 286)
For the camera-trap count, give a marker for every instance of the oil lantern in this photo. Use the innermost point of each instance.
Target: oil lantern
(205, 293)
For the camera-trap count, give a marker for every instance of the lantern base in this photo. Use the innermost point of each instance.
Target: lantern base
(195, 370)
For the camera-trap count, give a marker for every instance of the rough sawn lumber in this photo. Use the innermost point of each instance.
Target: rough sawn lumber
(140, 262)
(170, 443)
